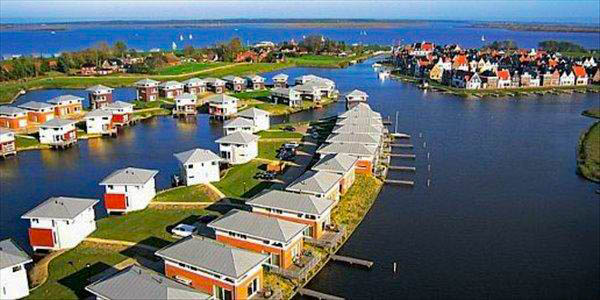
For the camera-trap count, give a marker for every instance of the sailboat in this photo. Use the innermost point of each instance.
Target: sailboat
(181, 37)
(174, 46)
(190, 36)
(483, 38)
(53, 32)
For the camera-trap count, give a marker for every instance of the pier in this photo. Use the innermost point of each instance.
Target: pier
(402, 145)
(318, 295)
(400, 155)
(400, 182)
(400, 135)
(403, 168)
(352, 260)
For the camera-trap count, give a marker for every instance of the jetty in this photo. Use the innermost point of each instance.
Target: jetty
(318, 295)
(402, 168)
(352, 260)
(401, 155)
(400, 182)
(400, 135)
(402, 145)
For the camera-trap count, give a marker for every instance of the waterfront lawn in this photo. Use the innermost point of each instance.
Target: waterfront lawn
(244, 69)
(67, 273)
(239, 181)
(588, 158)
(592, 113)
(320, 61)
(279, 134)
(260, 95)
(189, 68)
(355, 203)
(268, 149)
(23, 142)
(192, 193)
(150, 226)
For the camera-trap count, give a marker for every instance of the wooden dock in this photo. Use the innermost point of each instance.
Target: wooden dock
(403, 168)
(352, 260)
(318, 295)
(402, 145)
(400, 135)
(400, 155)
(401, 182)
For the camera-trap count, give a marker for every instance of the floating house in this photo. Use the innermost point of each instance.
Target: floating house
(185, 104)
(13, 276)
(13, 117)
(122, 112)
(235, 83)
(61, 223)
(100, 121)
(135, 282)
(259, 117)
(298, 208)
(99, 96)
(255, 82)
(194, 86)
(280, 239)
(222, 106)
(198, 166)
(170, 89)
(367, 155)
(214, 268)
(238, 147)
(215, 85)
(129, 189)
(238, 124)
(146, 90)
(288, 96)
(67, 106)
(58, 133)
(320, 184)
(38, 112)
(7, 142)
(355, 97)
(280, 80)
(341, 164)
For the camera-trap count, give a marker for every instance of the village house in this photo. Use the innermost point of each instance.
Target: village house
(235, 83)
(61, 223)
(567, 78)
(534, 81)
(185, 104)
(215, 85)
(135, 282)
(526, 79)
(7, 142)
(259, 117)
(88, 69)
(280, 80)
(324, 185)
(222, 106)
(581, 77)
(504, 80)
(38, 112)
(367, 155)
(238, 147)
(67, 106)
(342, 164)
(280, 239)
(255, 82)
(298, 208)
(13, 275)
(489, 80)
(99, 121)
(596, 77)
(308, 92)
(146, 90)
(198, 166)
(355, 138)
(355, 97)
(13, 117)
(358, 128)
(58, 133)
(129, 189)
(238, 124)
(170, 89)
(99, 96)
(194, 86)
(215, 268)
(289, 96)
(122, 112)
(473, 82)
(436, 72)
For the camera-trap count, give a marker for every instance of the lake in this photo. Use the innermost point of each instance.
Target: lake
(505, 215)
(43, 42)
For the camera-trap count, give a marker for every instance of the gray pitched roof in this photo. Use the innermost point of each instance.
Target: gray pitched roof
(294, 202)
(136, 282)
(194, 81)
(170, 84)
(348, 148)
(253, 113)
(238, 137)
(357, 93)
(61, 98)
(338, 163)
(11, 254)
(210, 255)
(185, 96)
(129, 176)
(238, 122)
(196, 156)
(362, 138)
(213, 80)
(10, 110)
(318, 182)
(35, 105)
(146, 81)
(233, 78)
(99, 88)
(280, 76)
(357, 128)
(220, 98)
(258, 226)
(60, 208)
(99, 113)
(58, 123)
(4, 130)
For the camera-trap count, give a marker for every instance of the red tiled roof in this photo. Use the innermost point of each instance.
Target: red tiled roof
(460, 60)
(427, 47)
(504, 75)
(579, 71)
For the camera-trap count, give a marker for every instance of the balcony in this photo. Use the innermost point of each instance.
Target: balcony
(267, 293)
(300, 268)
(332, 236)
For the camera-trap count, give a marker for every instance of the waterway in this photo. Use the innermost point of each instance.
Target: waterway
(505, 215)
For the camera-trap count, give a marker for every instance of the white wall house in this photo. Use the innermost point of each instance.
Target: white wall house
(13, 276)
(7, 142)
(259, 117)
(99, 121)
(280, 80)
(129, 189)
(289, 96)
(61, 222)
(238, 124)
(58, 133)
(185, 104)
(170, 89)
(222, 106)
(194, 86)
(567, 78)
(255, 82)
(474, 83)
(122, 112)
(238, 147)
(198, 166)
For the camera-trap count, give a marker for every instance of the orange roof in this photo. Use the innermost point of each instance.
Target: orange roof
(504, 75)
(427, 47)
(579, 71)
(460, 60)
(552, 63)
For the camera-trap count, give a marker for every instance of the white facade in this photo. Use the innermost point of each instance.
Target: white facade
(261, 122)
(13, 282)
(567, 79)
(58, 135)
(200, 172)
(99, 123)
(67, 233)
(238, 148)
(137, 197)
(474, 83)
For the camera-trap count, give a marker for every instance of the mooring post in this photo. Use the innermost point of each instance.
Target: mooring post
(429, 168)
(394, 267)
(428, 182)
(424, 144)
(427, 155)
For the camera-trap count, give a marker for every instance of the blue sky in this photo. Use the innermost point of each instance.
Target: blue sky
(516, 10)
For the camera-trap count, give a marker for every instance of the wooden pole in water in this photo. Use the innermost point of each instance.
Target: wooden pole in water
(424, 144)
(396, 123)
(394, 267)
(429, 168)
(427, 155)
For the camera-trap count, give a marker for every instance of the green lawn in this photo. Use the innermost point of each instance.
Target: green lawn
(68, 273)
(279, 134)
(252, 94)
(25, 142)
(240, 182)
(193, 193)
(149, 226)
(588, 158)
(321, 61)
(355, 203)
(592, 112)
(189, 68)
(268, 149)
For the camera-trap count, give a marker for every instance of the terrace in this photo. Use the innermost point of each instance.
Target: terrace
(332, 236)
(300, 268)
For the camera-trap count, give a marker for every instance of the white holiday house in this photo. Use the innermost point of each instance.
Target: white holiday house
(129, 189)
(238, 124)
(238, 147)
(259, 117)
(122, 112)
(13, 276)
(198, 166)
(185, 104)
(289, 96)
(99, 121)
(280, 80)
(222, 106)
(61, 222)
(58, 133)
(7, 142)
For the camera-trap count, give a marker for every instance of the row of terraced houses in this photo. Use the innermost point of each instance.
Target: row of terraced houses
(473, 69)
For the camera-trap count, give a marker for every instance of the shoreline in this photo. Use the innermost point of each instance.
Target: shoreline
(588, 166)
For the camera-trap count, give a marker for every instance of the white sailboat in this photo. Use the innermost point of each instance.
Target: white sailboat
(174, 46)
(483, 38)
(190, 36)
(181, 37)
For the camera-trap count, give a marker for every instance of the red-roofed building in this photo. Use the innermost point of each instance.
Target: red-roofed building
(581, 77)
(503, 79)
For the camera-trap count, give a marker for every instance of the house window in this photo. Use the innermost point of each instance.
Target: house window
(17, 268)
(36, 221)
(53, 223)
(275, 259)
(190, 166)
(110, 187)
(253, 287)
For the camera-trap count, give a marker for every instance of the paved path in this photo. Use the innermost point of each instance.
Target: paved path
(301, 161)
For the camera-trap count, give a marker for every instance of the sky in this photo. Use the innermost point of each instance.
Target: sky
(25, 11)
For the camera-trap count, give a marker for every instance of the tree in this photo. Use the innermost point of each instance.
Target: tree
(119, 48)
(188, 51)
(63, 64)
(503, 45)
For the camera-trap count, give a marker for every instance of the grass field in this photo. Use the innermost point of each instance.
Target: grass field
(189, 68)
(355, 203)
(279, 134)
(322, 61)
(262, 94)
(240, 182)
(592, 113)
(26, 142)
(193, 193)
(588, 154)
(268, 149)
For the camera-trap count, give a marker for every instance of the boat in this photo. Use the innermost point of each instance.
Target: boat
(174, 46)
(376, 65)
(483, 38)
(190, 36)
(53, 32)
(181, 37)
(383, 74)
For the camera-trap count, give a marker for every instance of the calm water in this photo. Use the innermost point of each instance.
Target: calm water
(505, 216)
(42, 42)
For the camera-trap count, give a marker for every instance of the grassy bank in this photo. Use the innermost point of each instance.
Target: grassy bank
(588, 153)
(279, 134)
(193, 193)
(354, 205)
(189, 68)
(240, 182)
(592, 113)
(323, 61)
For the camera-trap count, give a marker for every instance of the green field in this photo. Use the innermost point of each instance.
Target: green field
(321, 61)
(262, 94)
(192, 193)
(268, 149)
(240, 182)
(588, 153)
(279, 134)
(25, 142)
(189, 68)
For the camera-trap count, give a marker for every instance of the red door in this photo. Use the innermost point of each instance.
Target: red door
(115, 201)
(39, 237)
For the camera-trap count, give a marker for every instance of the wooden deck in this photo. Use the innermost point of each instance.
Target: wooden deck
(352, 260)
(318, 295)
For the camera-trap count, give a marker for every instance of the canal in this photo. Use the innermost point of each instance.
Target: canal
(505, 214)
